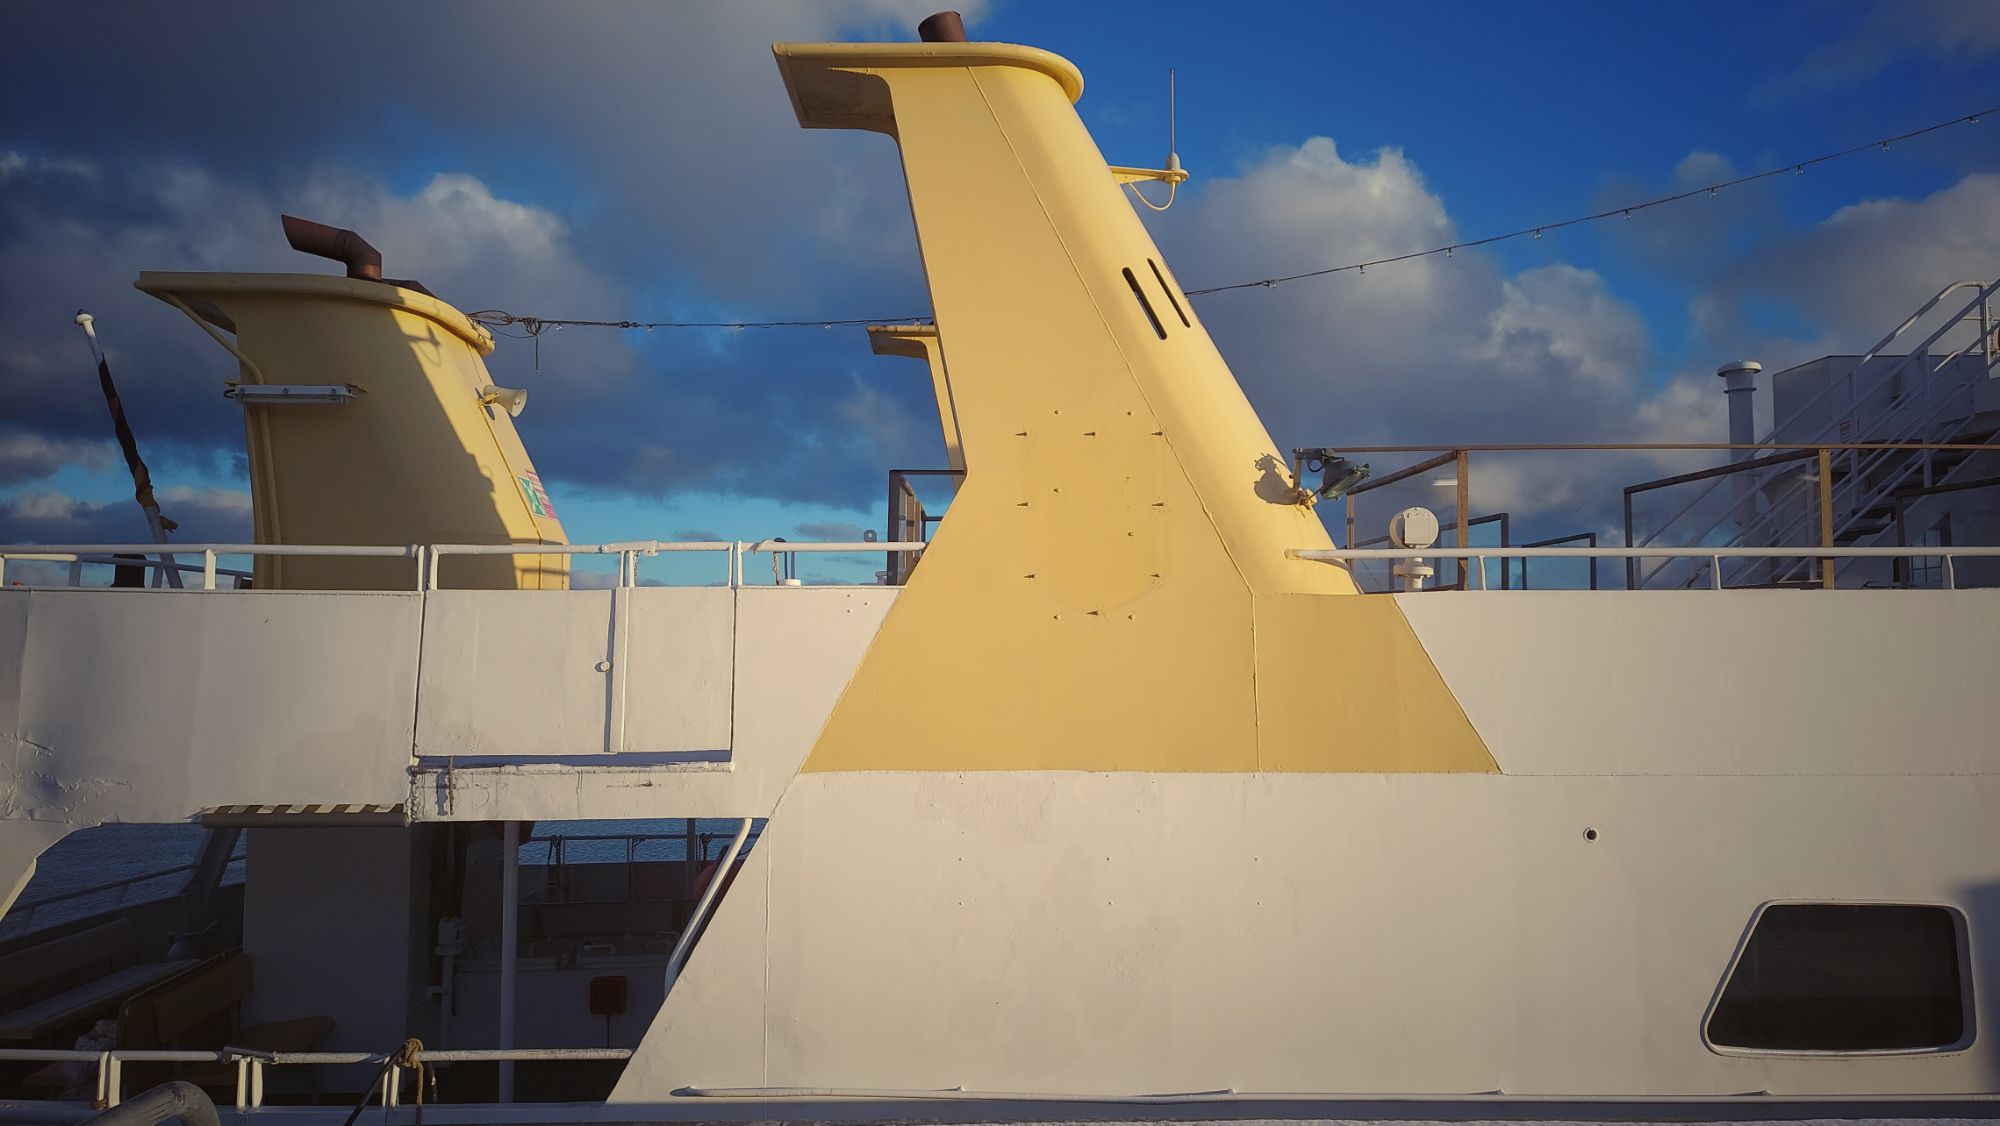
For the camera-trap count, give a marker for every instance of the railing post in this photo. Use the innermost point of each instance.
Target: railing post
(1950, 574)
(1715, 571)
(208, 568)
(1463, 465)
(1826, 515)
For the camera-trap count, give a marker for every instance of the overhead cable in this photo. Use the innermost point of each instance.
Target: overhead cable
(535, 326)
(1626, 211)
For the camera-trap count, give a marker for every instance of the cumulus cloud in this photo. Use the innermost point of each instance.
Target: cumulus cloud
(21, 166)
(1878, 36)
(30, 457)
(831, 531)
(206, 515)
(1863, 269)
(1433, 350)
(662, 192)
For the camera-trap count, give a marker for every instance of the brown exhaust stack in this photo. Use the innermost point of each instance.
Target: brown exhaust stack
(341, 245)
(943, 27)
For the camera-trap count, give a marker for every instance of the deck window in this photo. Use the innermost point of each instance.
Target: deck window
(1845, 977)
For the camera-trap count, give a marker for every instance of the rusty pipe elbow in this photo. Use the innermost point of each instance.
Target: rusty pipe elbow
(338, 243)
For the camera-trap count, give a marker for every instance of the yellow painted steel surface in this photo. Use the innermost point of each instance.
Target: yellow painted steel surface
(920, 342)
(414, 458)
(1110, 589)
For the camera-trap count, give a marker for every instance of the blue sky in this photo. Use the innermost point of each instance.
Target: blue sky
(638, 160)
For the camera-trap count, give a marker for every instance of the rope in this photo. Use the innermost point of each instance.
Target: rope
(407, 1058)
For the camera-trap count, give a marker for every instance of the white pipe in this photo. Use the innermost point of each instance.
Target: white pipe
(1334, 555)
(701, 909)
(510, 936)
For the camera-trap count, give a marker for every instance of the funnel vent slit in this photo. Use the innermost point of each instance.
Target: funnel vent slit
(1169, 291)
(1152, 317)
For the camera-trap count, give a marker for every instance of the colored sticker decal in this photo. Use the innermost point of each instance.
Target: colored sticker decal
(537, 497)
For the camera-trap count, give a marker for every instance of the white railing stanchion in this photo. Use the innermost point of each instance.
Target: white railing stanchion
(208, 568)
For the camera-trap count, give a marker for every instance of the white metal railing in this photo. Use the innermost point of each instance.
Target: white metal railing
(76, 555)
(1714, 555)
(427, 556)
(251, 1064)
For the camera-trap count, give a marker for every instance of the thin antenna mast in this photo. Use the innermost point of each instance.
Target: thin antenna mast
(142, 480)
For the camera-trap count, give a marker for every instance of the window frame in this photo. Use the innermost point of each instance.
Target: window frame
(1967, 1003)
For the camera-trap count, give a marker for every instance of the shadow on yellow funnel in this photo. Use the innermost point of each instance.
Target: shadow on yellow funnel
(420, 449)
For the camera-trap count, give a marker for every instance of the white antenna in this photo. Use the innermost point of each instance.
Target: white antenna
(1173, 173)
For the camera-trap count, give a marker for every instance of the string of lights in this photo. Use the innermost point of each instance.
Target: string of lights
(1795, 168)
(533, 327)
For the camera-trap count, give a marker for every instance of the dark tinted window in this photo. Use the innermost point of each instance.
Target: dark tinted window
(1841, 977)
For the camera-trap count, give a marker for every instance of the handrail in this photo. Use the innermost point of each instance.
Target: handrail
(1713, 554)
(429, 555)
(108, 885)
(1977, 304)
(1985, 291)
(702, 908)
(1858, 467)
(1849, 491)
(251, 1063)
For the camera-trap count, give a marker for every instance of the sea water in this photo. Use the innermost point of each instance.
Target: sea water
(154, 857)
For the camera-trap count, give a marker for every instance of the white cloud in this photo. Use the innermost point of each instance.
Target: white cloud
(1861, 271)
(28, 457)
(1952, 31)
(206, 515)
(20, 166)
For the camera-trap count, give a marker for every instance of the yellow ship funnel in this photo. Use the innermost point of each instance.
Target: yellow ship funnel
(370, 419)
(1113, 574)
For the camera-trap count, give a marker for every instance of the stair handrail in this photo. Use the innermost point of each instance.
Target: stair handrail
(1858, 471)
(1770, 439)
(1977, 304)
(1863, 461)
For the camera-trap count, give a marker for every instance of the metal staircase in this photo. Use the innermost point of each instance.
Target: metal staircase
(1897, 416)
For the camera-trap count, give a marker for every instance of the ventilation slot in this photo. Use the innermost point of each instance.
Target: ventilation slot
(1145, 304)
(1169, 291)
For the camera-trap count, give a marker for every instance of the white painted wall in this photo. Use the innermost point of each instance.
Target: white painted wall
(135, 705)
(1146, 933)
(795, 649)
(1722, 682)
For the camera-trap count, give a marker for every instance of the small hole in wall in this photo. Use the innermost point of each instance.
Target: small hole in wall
(1590, 834)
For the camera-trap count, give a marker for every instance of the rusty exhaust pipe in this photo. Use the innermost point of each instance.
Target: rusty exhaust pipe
(342, 245)
(942, 27)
